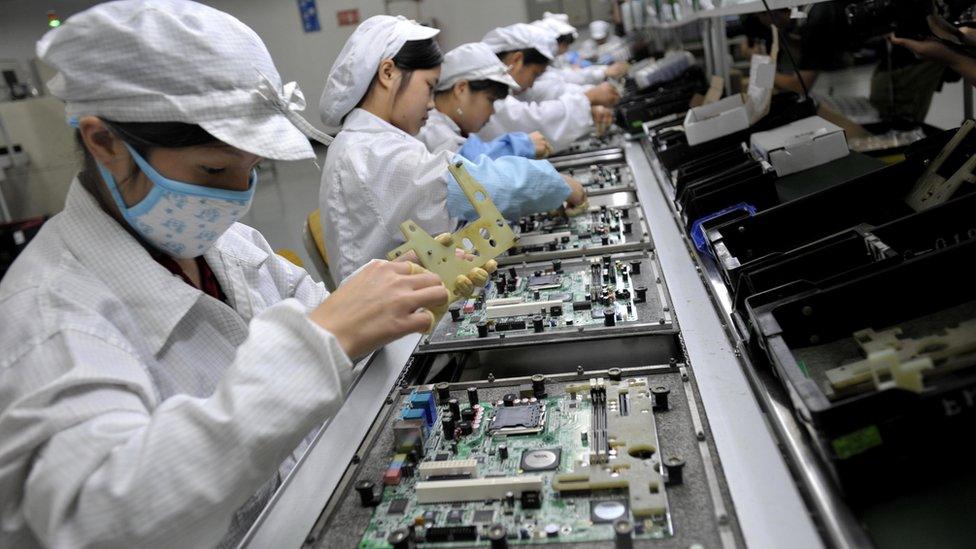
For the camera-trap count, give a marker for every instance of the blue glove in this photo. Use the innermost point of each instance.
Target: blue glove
(518, 186)
(510, 144)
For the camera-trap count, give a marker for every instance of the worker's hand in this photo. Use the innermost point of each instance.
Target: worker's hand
(384, 301)
(602, 119)
(542, 147)
(616, 70)
(604, 94)
(577, 194)
(410, 257)
(932, 50)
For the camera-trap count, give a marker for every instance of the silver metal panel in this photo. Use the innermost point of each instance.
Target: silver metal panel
(295, 507)
(767, 503)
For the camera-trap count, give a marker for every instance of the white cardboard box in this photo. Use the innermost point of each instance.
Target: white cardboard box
(800, 145)
(736, 112)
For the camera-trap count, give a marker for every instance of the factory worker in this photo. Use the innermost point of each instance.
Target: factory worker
(472, 79)
(561, 70)
(603, 46)
(527, 50)
(377, 174)
(161, 367)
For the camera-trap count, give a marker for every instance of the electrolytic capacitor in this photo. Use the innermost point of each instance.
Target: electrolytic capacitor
(635, 266)
(510, 499)
(660, 393)
(509, 399)
(443, 392)
(539, 386)
(536, 295)
(455, 310)
(604, 239)
(454, 406)
(498, 536)
(537, 323)
(623, 534)
(609, 317)
(628, 227)
(502, 451)
(675, 465)
(482, 328)
(447, 421)
(465, 427)
(557, 266)
(468, 414)
(472, 396)
(400, 539)
(640, 294)
(366, 495)
(625, 213)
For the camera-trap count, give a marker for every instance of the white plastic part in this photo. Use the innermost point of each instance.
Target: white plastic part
(475, 489)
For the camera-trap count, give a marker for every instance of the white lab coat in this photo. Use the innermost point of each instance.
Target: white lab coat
(614, 46)
(562, 120)
(375, 177)
(591, 75)
(137, 411)
(440, 133)
(551, 85)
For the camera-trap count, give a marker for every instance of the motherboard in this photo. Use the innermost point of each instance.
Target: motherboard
(604, 178)
(602, 228)
(582, 464)
(535, 303)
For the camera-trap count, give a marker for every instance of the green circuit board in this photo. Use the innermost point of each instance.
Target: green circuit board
(603, 176)
(549, 232)
(576, 295)
(564, 443)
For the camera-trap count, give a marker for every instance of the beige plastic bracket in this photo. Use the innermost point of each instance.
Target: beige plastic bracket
(486, 238)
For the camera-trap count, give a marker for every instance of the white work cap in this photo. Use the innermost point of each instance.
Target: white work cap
(474, 61)
(177, 61)
(599, 30)
(552, 22)
(521, 36)
(378, 38)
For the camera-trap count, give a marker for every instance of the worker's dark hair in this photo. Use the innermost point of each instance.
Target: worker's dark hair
(143, 137)
(530, 56)
(413, 56)
(495, 90)
(567, 38)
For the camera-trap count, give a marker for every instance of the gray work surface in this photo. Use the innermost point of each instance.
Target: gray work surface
(692, 512)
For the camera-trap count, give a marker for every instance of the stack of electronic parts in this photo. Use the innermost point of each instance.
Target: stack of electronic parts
(856, 293)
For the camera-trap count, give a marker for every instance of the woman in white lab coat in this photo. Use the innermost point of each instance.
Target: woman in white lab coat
(377, 174)
(561, 76)
(527, 50)
(160, 366)
(472, 79)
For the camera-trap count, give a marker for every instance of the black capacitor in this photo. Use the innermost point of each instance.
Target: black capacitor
(609, 317)
(630, 308)
(537, 323)
(512, 273)
(623, 534)
(406, 470)
(455, 310)
(498, 536)
(604, 239)
(624, 274)
(628, 227)
(512, 285)
(552, 246)
(603, 208)
(509, 399)
(500, 285)
(482, 328)
(472, 396)
(564, 240)
(607, 260)
(454, 448)
(635, 266)
(625, 213)
(465, 427)
(468, 414)
(537, 273)
(400, 539)
(606, 275)
(622, 294)
(454, 407)
(615, 374)
(524, 225)
(447, 421)
(556, 310)
(640, 294)
(536, 295)
(674, 465)
(557, 265)
(503, 451)
(660, 393)
(539, 386)
(366, 496)
(443, 392)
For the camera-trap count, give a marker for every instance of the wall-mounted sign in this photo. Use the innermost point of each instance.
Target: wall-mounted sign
(310, 15)
(347, 17)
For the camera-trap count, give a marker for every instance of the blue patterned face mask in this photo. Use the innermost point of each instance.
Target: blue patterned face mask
(178, 218)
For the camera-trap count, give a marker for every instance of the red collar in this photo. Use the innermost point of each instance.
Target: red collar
(208, 280)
